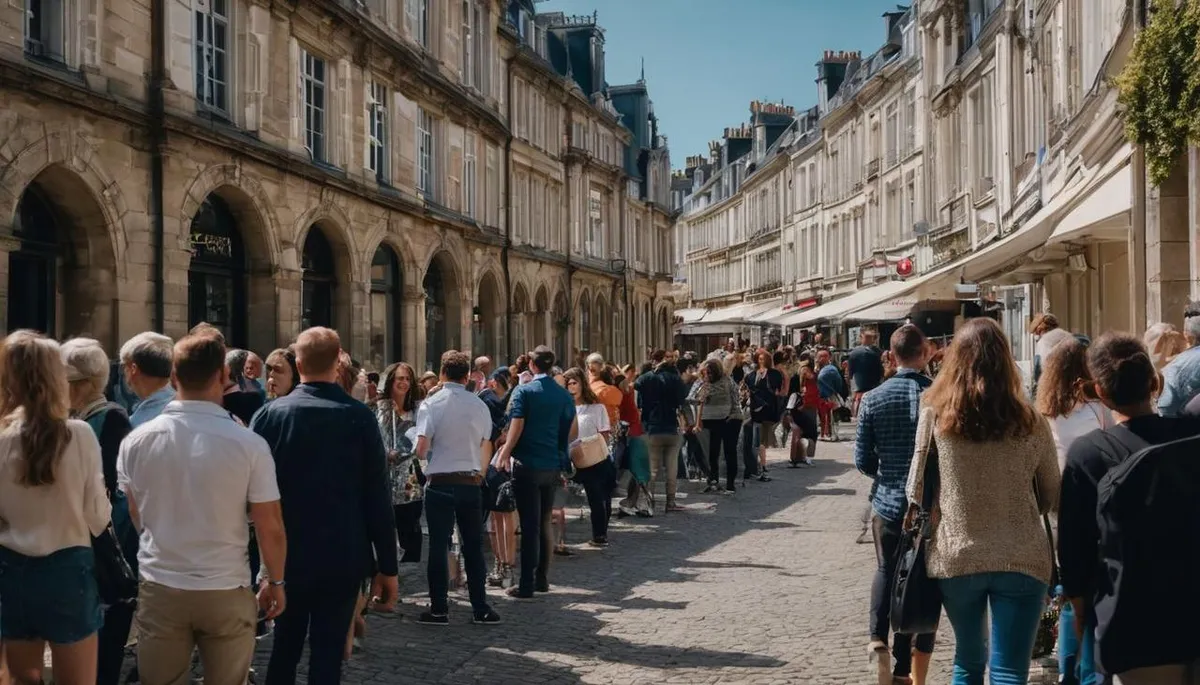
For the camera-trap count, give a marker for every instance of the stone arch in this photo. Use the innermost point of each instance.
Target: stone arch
(251, 205)
(663, 327)
(441, 285)
(602, 328)
(522, 320)
(488, 316)
(560, 322)
(584, 322)
(332, 226)
(19, 166)
(542, 320)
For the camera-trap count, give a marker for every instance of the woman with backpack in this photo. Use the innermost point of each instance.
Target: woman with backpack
(992, 466)
(87, 375)
(53, 501)
(1147, 644)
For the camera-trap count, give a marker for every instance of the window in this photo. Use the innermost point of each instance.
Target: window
(479, 46)
(377, 156)
(212, 54)
(44, 29)
(314, 105)
(467, 43)
(469, 176)
(416, 20)
(425, 153)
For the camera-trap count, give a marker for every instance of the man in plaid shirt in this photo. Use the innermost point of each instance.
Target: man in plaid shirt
(887, 430)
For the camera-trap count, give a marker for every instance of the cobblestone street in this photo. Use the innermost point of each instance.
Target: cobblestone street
(767, 586)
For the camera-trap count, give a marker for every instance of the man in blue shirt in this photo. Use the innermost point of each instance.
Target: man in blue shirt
(454, 429)
(542, 426)
(146, 360)
(887, 433)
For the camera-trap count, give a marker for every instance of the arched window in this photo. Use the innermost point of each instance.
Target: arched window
(33, 267)
(217, 273)
(585, 324)
(435, 315)
(318, 281)
(385, 308)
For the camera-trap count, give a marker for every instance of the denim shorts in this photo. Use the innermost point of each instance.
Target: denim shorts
(52, 598)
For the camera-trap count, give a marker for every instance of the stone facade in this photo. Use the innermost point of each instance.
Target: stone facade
(412, 157)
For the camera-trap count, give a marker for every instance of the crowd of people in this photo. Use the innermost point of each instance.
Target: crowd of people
(1070, 511)
(288, 495)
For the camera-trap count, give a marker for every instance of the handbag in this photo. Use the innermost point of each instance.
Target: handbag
(916, 598)
(1047, 633)
(590, 451)
(115, 580)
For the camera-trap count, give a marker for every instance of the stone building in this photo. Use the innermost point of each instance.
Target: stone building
(268, 167)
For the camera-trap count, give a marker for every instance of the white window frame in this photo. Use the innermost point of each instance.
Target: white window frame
(467, 44)
(425, 154)
(47, 19)
(316, 139)
(377, 130)
(470, 175)
(207, 21)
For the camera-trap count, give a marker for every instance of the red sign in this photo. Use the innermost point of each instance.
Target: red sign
(904, 267)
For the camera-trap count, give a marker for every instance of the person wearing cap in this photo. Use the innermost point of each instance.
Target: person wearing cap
(602, 382)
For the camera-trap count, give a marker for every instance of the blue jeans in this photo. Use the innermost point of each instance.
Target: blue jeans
(52, 598)
(1076, 657)
(1016, 602)
(446, 504)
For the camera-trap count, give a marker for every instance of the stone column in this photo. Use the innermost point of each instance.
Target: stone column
(7, 244)
(1168, 247)
(287, 297)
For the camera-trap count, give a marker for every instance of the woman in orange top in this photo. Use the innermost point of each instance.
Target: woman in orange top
(602, 382)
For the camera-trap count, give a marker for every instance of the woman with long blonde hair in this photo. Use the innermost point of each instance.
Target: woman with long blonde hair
(994, 473)
(52, 500)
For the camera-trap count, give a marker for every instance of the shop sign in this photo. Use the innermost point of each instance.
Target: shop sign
(949, 247)
(211, 246)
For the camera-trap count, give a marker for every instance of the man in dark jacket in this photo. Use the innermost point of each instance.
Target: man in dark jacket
(866, 367)
(661, 395)
(332, 471)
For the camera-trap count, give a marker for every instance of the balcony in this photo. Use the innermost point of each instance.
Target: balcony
(893, 157)
(958, 212)
(872, 167)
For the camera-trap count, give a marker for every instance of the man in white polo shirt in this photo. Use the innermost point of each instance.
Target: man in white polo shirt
(453, 431)
(189, 475)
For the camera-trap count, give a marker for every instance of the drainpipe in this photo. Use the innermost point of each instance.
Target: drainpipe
(508, 216)
(570, 233)
(156, 112)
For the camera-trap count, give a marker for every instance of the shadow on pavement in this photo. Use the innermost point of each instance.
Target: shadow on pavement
(558, 637)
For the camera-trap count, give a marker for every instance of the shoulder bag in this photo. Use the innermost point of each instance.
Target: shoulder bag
(917, 598)
(590, 451)
(116, 581)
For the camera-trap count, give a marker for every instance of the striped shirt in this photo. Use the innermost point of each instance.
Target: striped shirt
(887, 433)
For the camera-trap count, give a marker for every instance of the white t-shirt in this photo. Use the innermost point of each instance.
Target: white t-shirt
(593, 420)
(38, 521)
(191, 472)
(1085, 418)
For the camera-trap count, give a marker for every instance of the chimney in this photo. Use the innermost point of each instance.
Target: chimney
(831, 71)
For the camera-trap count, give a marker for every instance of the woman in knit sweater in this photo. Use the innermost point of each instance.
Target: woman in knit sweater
(998, 474)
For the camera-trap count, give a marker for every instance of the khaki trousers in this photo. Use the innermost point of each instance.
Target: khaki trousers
(170, 623)
(664, 461)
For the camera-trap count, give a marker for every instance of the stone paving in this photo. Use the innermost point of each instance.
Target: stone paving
(766, 586)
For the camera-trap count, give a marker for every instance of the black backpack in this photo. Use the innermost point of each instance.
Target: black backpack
(1148, 513)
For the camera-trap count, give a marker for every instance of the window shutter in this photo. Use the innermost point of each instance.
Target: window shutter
(296, 61)
(369, 105)
(89, 33)
(252, 39)
(410, 19)
(345, 132)
(405, 137)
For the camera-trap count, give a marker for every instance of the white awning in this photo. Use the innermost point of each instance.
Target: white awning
(741, 313)
(690, 315)
(859, 299)
(1106, 210)
(893, 310)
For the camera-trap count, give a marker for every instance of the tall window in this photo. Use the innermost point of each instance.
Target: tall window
(425, 153)
(467, 42)
(44, 35)
(479, 22)
(217, 272)
(385, 308)
(212, 54)
(317, 280)
(377, 157)
(416, 19)
(470, 175)
(314, 105)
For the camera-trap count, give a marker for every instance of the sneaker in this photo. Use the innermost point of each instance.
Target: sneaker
(878, 653)
(515, 593)
(542, 586)
(487, 618)
(763, 478)
(808, 461)
(727, 490)
(598, 542)
(494, 579)
(428, 618)
(711, 487)
(674, 508)
(563, 552)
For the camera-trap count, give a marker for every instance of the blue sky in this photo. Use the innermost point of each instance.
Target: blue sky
(707, 59)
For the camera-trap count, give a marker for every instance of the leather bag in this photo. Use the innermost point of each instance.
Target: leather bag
(916, 598)
(115, 579)
(590, 451)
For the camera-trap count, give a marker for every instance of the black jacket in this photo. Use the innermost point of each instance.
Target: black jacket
(333, 486)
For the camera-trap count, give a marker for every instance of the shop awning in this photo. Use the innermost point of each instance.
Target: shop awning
(1105, 211)
(741, 313)
(765, 318)
(859, 299)
(892, 310)
(690, 315)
